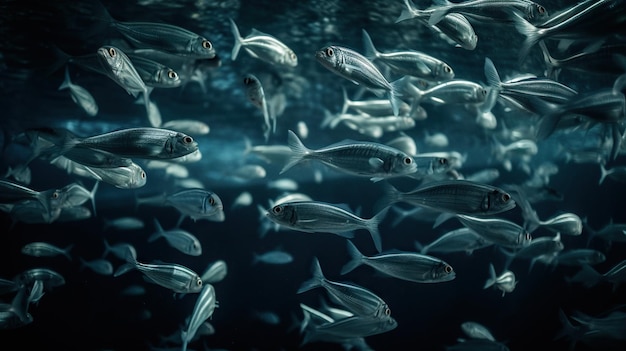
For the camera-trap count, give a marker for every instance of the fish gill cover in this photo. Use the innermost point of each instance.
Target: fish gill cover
(471, 151)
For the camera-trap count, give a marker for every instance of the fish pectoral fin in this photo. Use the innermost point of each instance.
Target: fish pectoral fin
(376, 162)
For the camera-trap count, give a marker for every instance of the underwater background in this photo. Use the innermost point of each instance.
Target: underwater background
(258, 304)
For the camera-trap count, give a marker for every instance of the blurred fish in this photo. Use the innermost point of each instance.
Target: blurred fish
(154, 74)
(455, 196)
(490, 11)
(356, 68)
(187, 126)
(99, 265)
(256, 95)
(197, 204)
(505, 281)
(408, 266)
(273, 257)
(497, 230)
(373, 107)
(264, 47)
(215, 272)
(543, 249)
(123, 223)
(12, 193)
(202, 310)
(476, 330)
(43, 249)
(579, 257)
(81, 96)
(589, 277)
(457, 240)
(369, 159)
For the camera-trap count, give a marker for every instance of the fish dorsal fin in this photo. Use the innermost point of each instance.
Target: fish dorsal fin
(257, 33)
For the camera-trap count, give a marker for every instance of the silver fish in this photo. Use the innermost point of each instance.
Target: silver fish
(43, 249)
(12, 193)
(454, 25)
(321, 217)
(458, 240)
(356, 68)
(499, 231)
(197, 204)
(455, 196)
(154, 74)
(413, 63)
(202, 310)
(373, 107)
(356, 299)
(179, 239)
(175, 277)
(121, 70)
(490, 10)
(408, 266)
(476, 330)
(505, 282)
(264, 47)
(215, 272)
(99, 265)
(256, 95)
(81, 96)
(579, 257)
(377, 161)
(142, 142)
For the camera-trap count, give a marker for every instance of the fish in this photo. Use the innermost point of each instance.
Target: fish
(505, 282)
(373, 107)
(263, 46)
(178, 238)
(454, 196)
(358, 69)
(409, 266)
(497, 230)
(454, 26)
(273, 257)
(322, 217)
(578, 257)
(256, 95)
(81, 96)
(121, 70)
(153, 73)
(12, 193)
(173, 276)
(410, 62)
(197, 204)
(99, 265)
(490, 10)
(215, 272)
(187, 126)
(476, 330)
(369, 159)
(203, 309)
(543, 249)
(43, 249)
(131, 176)
(141, 142)
(458, 240)
(356, 299)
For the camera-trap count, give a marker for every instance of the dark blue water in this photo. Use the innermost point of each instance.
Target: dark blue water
(89, 313)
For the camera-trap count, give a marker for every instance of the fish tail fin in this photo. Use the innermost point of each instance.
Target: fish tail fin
(316, 280)
(440, 12)
(184, 345)
(551, 63)
(390, 197)
(603, 173)
(406, 13)
(491, 73)
(492, 277)
(400, 215)
(158, 233)
(421, 248)
(298, 151)
(238, 39)
(44, 198)
(92, 196)
(444, 216)
(124, 268)
(356, 258)
(66, 81)
(372, 225)
(346, 101)
(67, 250)
(329, 120)
(394, 95)
(368, 45)
(510, 256)
(531, 33)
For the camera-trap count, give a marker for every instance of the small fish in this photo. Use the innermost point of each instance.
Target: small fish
(455, 196)
(187, 126)
(579, 257)
(256, 95)
(43, 249)
(154, 74)
(99, 265)
(202, 310)
(197, 204)
(408, 266)
(321, 217)
(264, 47)
(457, 240)
(142, 142)
(373, 107)
(505, 281)
(179, 239)
(490, 10)
(374, 160)
(476, 330)
(499, 231)
(80, 95)
(273, 257)
(413, 63)
(358, 69)
(175, 277)
(215, 272)
(356, 299)
(123, 223)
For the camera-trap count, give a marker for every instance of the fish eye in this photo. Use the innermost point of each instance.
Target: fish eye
(447, 69)
(329, 52)
(541, 9)
(112, 52)
(408, 160)
(277, 209)
(199, 282)
(206, 44)
(211, 201)
(528, 237)
(387, 311)
(55, 195)
(292, 55)
(443, 161)
(247, 80)
(143, 175)
(506, 197)
(187, 139)
(447, 269)
(172, 74)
